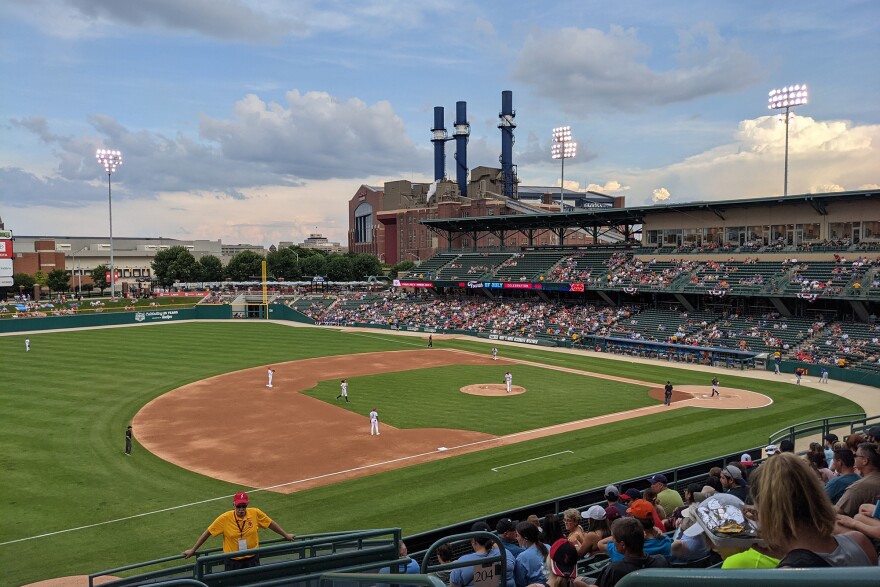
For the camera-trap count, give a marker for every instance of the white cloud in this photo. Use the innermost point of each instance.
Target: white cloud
(586, 70)
(611, 187)
(660, 195)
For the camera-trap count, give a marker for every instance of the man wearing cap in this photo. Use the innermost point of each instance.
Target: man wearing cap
(240, 530)
(733, 482)
(563, 559)
(656, 542)
(873, 434)
(374, 422)
(668, 498)
(506, 530)
(770, 450)
(629, 539)
(612, 496)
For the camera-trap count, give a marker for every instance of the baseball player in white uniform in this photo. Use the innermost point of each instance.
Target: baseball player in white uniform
(715, 387)
(343, 391)
(494, 353)
(374, 423)
(508, 380)
(271, 373)
(27, 345)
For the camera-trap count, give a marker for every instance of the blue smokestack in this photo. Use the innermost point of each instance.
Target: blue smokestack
(506, 124)
(439, 140)
(462, 132)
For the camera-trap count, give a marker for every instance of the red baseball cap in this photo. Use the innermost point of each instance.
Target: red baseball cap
(563, 559)
(240, 498)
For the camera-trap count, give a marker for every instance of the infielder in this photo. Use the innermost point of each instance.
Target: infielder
(374, 423)
(343, 391)
(494, 354)
(271, 373)
(824, 375)
(430, 341)
(508, 381)
(715, 387)
(27, 345)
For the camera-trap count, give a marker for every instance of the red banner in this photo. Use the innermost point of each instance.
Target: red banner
(115, 275)
(5, 249)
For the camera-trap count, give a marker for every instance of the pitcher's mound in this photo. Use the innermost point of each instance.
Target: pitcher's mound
(492, 389)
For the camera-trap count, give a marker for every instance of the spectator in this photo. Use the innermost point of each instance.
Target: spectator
(572, 519)
(770, 450)
(506, 530)
(786, 445)
(829, 440)
(714, 480)
(235, 538)
(844, 464)
(854, 440)
(444, 557)
(410, 568)
(817, 462)
(552, 529)
(611, 514)
(562, 566)
(733, 482)
(667, 498)
(659, 513)
(797, 518)
(629, 539)
(656, 542)
(529, 565)
(866, 489)
(873, 434)
(483, 548)
(597, 529)
(674, 519)
(612, 496)
(864, 521)
(689, 546)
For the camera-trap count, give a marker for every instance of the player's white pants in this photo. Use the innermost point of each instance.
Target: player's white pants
(374, 428)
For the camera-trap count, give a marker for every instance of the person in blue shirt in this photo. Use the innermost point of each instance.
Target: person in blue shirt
(529, 565)
(656, 542)
(483, 548)
(506, 530)
(844, 463)
(411, 568)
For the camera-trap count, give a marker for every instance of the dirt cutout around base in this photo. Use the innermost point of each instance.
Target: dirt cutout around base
(493, 389)
(233, 427)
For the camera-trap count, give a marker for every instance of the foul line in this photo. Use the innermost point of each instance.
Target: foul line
(495, 469)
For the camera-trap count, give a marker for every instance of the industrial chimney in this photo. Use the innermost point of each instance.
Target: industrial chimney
(462, 132)
(439, 139)
(506, 124)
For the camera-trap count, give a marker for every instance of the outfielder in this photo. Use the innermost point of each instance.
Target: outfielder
(27, 345)
(343, 391)
(824, 372)
(494, 353)
(508, 380)
(374, 423)
(271, 373)
(715, 387)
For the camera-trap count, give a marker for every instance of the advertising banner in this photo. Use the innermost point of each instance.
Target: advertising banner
(5, 267)
(398, 283)
(5, 249)
(5, 282)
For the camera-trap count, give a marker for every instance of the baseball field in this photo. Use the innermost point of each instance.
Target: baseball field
(454, 445)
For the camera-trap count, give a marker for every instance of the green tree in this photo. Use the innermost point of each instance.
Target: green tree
(399, 268)
(99, 277)
(58, 280)
(23, 282)
(40, 278)
(364, 265)
(284, 263)
(339, 268)
(245, 266)
(212, 268)
(175, 264)
(313, 265)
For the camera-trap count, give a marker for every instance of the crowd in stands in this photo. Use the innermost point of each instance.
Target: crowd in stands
(789, 511)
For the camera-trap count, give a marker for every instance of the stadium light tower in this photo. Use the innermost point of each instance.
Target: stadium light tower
(110, 160)
(785, 99)
(563, 148)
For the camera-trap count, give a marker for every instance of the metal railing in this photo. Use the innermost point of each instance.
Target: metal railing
(822, 426)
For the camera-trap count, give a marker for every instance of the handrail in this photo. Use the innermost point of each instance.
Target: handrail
(500, 557)
(815, 577)
(803, 428)
(377, 578)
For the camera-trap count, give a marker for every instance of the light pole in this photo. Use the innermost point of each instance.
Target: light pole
(78, 273)
(785, 99)
(110, 160)
(563, 148)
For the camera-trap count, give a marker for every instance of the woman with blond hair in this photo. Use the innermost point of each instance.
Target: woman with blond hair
(576, 535)
(796, 518)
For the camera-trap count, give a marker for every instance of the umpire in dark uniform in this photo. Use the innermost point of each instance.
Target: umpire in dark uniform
(667, 393)
(128, 441)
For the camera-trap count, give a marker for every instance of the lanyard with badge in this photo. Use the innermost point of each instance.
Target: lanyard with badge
(242, 541)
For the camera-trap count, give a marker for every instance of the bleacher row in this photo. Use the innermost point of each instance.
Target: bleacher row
(810, 340)
(610, 269)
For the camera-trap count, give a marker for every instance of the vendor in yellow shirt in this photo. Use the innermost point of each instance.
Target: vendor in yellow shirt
(240, 530)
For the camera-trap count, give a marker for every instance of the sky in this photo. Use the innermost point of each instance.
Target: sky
(255, 121)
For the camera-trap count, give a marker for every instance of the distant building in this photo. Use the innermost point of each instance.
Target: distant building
(229, 251)
(386, 222)
(315, 241)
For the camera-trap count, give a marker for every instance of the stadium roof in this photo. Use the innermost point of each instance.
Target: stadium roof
(599, 217)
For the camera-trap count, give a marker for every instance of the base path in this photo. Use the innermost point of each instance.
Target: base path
(232, 427)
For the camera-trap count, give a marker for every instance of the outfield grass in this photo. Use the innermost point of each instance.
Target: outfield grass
(65, 406)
